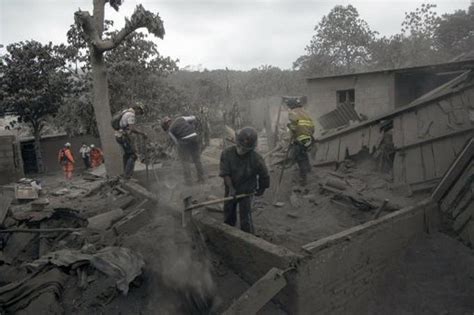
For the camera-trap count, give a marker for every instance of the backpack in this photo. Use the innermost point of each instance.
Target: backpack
(116, 120)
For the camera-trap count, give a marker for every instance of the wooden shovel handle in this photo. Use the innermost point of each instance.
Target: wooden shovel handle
(220, 200)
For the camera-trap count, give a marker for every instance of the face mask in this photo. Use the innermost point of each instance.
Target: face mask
(241, 150)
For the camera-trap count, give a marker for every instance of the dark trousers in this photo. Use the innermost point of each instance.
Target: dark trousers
(129, 155)
(190, 149)
(245, 213)
(87, 162)
(299, 153)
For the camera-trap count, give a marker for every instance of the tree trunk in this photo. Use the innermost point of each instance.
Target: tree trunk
(37, 145)
(112, 154)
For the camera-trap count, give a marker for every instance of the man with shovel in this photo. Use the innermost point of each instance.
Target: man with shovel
(244, 173)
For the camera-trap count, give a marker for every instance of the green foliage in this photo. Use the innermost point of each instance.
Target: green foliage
(143, 18)
(136, 71)
(341, 42)
(455, 32)
(34, 82)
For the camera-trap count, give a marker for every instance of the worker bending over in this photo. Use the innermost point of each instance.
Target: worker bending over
(182, 131)
(66, 159)
(301, 127)
(126, 131)
(244, 171)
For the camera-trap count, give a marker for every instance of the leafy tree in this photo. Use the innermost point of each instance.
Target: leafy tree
(455, 32)
(33, 84)
(136, 71)
(341, 43)
(92, 30)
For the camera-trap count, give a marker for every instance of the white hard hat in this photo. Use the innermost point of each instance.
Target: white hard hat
(67, 144)
(92, 146)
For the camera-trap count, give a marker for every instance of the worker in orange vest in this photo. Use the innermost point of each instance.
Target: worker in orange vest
(66, 159)
(97, 157)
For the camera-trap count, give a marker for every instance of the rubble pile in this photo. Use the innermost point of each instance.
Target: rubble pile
(69, 239)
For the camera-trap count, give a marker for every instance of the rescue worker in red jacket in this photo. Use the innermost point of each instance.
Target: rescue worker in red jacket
(66, 159)
(97, 157)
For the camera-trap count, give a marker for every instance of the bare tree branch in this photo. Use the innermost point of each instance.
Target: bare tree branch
(140, 18)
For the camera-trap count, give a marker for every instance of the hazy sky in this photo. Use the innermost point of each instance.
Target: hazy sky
(239, 34)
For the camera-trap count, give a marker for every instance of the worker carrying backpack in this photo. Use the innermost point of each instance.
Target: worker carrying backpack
(116, 120)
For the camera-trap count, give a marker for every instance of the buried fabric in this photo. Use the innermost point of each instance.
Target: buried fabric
(41, 286)
(121, 264)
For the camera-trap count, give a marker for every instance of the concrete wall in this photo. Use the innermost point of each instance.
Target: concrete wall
(11, 167)
(251, 257)
(337, 274)
(374, 93)
(340, 276)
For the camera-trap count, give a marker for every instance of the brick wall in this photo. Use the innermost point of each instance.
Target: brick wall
(11, 168)
(374, 93)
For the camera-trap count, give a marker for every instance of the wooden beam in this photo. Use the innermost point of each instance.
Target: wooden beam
(262, 291)
(454, 171)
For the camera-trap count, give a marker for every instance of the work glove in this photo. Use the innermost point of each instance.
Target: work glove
(232, 192)
(259, 192)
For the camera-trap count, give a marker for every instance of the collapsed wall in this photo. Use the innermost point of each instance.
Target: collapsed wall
(335, 274)
(423, 136)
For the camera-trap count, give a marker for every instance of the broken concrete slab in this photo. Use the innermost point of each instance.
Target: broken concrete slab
(104, 220)
(259, 294)
(139, 191)
(132, 222)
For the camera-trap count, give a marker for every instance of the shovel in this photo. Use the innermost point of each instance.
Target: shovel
(188, 206)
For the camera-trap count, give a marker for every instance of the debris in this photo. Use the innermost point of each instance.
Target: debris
(380, 209)
(25, 192)
(32, 216)
(122, 202)
(402, 189)
(40, 286)
(61, 192)
(5, 202)
(336, 183)
(104, 220)
(279, 204)
(98, 172)
(17, 243)
(39, 204)
(350, 197)
(295, 200)
(462, 219)
(119, 263)
(292, 215)
(139, 191)
(132, 222)
(54, 230)
(262, 291)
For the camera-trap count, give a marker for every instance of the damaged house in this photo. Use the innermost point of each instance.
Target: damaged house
(413, 121)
